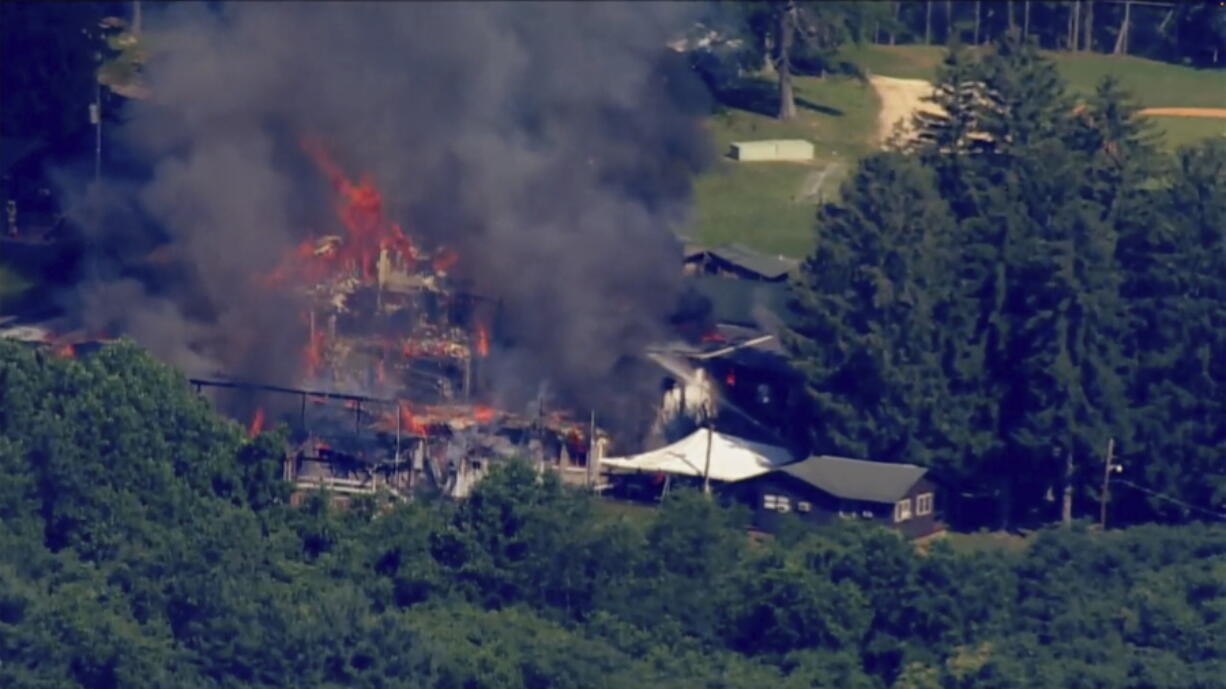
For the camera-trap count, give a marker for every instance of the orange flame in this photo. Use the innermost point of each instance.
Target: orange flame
(483, 414)
(65, 351)
(410, 422)
(313, 353)
(730, 379)
(257, 423)
(368, 232)
(360, 210)
(445, 260)
(483, 341)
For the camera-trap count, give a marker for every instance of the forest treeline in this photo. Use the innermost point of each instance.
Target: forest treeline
(1181, 32)
(147, 542)
(1190, 33)
(1025, 283)
(55, 48)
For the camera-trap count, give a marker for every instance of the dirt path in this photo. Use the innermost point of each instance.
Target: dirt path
(1219, 113)
(900, 98)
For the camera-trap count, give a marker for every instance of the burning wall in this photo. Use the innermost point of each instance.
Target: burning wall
(538, 153)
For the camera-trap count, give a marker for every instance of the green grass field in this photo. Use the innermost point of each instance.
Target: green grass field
(767, 205)
(770, 205)
(1181, 131)
(12, 285)
(1153, 84)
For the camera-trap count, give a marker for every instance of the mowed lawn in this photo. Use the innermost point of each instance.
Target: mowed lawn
(771, 206)
(12, 285)
(1153, 84)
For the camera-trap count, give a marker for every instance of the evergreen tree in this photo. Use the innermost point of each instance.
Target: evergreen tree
(1174, 265)
(984, 338)
(865, 302)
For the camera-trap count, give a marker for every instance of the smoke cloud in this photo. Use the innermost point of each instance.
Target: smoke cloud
(552, 145)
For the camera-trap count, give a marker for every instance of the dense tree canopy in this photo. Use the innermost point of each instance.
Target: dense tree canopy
(1182, 32)
(145, 543)
(1026, 282)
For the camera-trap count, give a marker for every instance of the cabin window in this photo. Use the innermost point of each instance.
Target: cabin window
(804, 506)
(902, 510)
(777, 503)
(923, 504)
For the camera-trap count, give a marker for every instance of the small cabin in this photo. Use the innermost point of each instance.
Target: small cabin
(822, 489)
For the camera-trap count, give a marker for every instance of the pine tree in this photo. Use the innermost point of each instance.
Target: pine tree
(1174, 266)
(865, 302)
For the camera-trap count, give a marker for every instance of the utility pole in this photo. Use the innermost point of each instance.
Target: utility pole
(706, 471)
(1108, 467)
(591, 451)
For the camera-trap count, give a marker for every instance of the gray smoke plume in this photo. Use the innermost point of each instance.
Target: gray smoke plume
(550, 144)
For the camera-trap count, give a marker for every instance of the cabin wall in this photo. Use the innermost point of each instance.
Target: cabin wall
(757, 494)
(920, 525)
(825, 508)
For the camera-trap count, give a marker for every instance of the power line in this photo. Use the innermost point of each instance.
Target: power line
(1163, 496)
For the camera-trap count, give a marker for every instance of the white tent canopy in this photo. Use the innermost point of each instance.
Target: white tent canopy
(732, 458)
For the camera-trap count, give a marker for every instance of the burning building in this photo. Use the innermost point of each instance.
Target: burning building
(383, 315)
(460, 206)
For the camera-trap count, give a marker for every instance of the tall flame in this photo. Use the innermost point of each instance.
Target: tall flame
(368, 232)
(360, 209)
(313, 353)
(483, 341)
(257, 423)
(410, 422)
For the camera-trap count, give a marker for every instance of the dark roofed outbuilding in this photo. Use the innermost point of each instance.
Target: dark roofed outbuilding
(738, 261)
(824, 488)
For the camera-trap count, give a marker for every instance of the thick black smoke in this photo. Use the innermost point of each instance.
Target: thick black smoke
(551, 144)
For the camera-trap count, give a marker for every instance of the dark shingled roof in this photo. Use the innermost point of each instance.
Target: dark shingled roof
(769, 267)
(857, 479)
